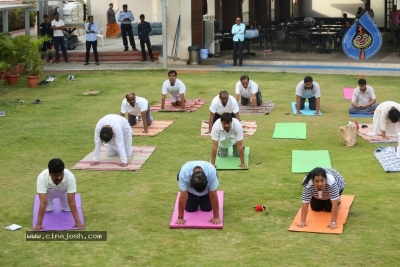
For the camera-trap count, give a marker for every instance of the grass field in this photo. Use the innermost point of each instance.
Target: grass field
(135, 207)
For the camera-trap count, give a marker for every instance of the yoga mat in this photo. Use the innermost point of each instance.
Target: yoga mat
(155, 128)
(91, 92)
(348, 93)
(318, 221)
(191, 105)
(387, 158)
(249, 128)
(264, 109)
(230, 162)
(306, 111)
(368, 115)
(135, 162)
(57, 220)
(304, 161)
(199, 219)
(290, 130)
(362, 132)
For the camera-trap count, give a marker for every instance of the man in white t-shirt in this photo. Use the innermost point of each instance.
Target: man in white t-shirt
(116, 133)
(136, 106)
(246, 89)
(363, 100)
(176, 90)
(56, 182)
(58, 27)
(227, 132)
(308, 89)
(220, 104)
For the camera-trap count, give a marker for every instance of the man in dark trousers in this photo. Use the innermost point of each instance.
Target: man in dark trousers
(46, 30)
(91, 40)
(126, 18)
(144, 30)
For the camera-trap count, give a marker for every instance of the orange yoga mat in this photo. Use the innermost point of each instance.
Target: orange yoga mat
(318, 221)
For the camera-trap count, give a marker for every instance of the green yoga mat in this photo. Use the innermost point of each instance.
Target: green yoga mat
(305, 160)
(230, 162)
(290, 130)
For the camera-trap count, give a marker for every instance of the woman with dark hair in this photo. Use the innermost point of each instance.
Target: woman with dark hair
(322, 189)
(385, 115)
(255, 25)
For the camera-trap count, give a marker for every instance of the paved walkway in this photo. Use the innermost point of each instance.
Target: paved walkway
(385, 63)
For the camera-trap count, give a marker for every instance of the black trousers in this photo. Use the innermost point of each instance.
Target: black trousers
(60, 42)
(244, 101)
(142, 43)
(194, 202)
(322, 205)
(238, 46)
(217, 116)
(132, 119)
(94, 45)
(311, 103)
(127, 28)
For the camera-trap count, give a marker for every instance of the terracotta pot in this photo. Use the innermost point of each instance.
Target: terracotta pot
(2, 75)
(12, 79)
(33, 81)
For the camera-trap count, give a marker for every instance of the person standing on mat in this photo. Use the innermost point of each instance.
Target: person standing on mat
(238, 30)
(311, 90)
(246, 89)
(322, 189)
(136, 106)
(176, 90)
(126, 17)
(225, 133)
(363, 100)
(56, 182)
(116, 133)
(220, 104)
(198, 182)
(91, 40)
(386, 110)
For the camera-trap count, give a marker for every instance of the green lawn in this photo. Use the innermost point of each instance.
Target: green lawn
(135, 207)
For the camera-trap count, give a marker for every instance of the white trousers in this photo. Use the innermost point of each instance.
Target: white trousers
(62, 197)
(112, 148)
(398, 146)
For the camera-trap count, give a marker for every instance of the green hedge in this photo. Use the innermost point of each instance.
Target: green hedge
(16, 19)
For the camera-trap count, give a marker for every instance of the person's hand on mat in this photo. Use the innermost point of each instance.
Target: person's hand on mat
(94, 163)
(208, 132)
(243, 165)
(123, 164)
(80, 226)
(215, 221)
(332, 226)
(145, 131)
(302, 224)
(299, 112)
(38, 228)
(316, 112)
(180, 221)
(255, 111)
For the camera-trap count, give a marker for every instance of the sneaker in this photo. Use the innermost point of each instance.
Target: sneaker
(134, 49)
(44, 82)
(86, 63)
(67, 61)
(139, 117)
(126, 49)
(37, 101)
(2, 113)
(97, 63)
(71, 78)
(19, 100)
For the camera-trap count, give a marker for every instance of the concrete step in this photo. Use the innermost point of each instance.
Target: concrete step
(112, 56)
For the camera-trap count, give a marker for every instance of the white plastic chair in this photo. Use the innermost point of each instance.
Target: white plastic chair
(102, 35)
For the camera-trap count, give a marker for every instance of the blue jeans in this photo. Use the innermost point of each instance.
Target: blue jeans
(371, 109)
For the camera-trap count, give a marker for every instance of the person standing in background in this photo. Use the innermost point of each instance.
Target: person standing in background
(144, 30)
(126, 17)
(238, 30)
(91, 29)
(112, 25)
(46, 30)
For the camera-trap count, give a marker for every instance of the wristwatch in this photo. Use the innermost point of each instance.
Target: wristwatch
(334, 223)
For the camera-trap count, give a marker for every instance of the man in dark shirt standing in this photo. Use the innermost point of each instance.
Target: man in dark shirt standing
(144, 30)
(45, 29)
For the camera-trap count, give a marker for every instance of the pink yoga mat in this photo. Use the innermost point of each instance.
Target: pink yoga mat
(348, 93)
(199, 219)
(190, 106)
(57, 220)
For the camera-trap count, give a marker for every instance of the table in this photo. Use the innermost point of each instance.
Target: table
(324, 36)
(70, 28)
(298, 36)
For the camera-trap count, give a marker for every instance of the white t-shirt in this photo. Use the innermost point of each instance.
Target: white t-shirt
(252, 88)
(314, 92)
(46, 185)
(173, 90)
(227, 139)
(363, 98)
(231, 107)
(141, 104)
(59, 23)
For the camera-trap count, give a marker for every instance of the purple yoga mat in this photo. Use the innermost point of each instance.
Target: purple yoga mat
(199, 219)
(348, 93)
(57, 220)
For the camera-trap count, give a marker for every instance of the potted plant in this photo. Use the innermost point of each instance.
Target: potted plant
(3, 67)
(35, 61)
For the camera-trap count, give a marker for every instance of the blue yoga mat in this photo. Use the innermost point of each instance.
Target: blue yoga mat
(306, 111)
(362, 115)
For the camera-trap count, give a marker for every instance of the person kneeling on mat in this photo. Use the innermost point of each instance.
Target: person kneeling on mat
(310, 89)
(198, 182)
(227, 132)
(246, 89)
(56, 182)
(136, 106)
(322, 189)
